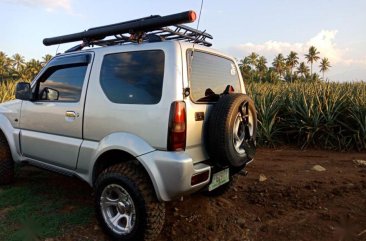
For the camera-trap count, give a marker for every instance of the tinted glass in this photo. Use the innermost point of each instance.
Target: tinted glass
(63, 83)
(209, 76)
(133, 77)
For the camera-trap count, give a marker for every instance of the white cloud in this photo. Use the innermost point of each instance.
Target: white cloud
(48, 5)
(325, 41)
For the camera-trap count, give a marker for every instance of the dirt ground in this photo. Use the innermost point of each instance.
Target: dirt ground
(293, 203)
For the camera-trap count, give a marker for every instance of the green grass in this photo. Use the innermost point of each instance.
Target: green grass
(35, 210)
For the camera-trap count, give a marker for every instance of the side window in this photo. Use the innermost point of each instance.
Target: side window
(63, 79)
(133, 77)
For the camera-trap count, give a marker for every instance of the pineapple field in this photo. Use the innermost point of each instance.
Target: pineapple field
(317, 114)
(321, 115)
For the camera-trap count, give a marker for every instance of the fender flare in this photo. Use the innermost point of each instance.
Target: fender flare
(91, 151)
(12, 137)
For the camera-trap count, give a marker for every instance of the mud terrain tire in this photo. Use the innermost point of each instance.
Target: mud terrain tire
(6, 162)
(149, 212)
(232, 112)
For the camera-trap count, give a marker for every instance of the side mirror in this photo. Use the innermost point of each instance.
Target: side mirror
(23, 91)
(50, 94)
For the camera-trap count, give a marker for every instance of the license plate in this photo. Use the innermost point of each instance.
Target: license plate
(218, 179)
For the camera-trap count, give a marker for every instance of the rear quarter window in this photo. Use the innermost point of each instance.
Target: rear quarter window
(133, 77)
(209, 75)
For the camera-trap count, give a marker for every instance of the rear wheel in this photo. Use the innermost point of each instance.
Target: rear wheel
(126, 205)
(6, 162)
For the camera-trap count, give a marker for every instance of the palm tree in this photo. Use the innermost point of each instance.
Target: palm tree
(312, 56)
(279, 64)
(261, 67)
(303, 69)
(32, 68)
(272, 75)
(5, 65)
(46, 59)
(244, 65)
(253, 59)
(291, 61)
(23, 73)
(324, 65)
(18, 61)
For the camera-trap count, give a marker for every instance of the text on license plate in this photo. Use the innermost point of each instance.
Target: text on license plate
(219, 179)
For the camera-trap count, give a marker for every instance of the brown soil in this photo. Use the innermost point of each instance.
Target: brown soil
(294, 203)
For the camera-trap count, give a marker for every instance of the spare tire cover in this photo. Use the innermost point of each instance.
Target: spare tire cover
(231, 130)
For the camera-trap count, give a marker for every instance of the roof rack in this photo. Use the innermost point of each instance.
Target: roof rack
(152, 29)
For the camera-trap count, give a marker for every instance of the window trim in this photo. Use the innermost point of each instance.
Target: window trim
(62, 63)
(133, 51)
(189, 77)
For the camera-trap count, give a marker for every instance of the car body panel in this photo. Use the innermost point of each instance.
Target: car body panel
(150, 122)
(49, 120)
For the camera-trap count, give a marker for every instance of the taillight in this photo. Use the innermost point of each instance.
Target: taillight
(177, 127)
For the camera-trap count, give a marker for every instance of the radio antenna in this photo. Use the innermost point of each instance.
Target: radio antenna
(199, 16)
(58, 46)
(198, 24)
(194, 42)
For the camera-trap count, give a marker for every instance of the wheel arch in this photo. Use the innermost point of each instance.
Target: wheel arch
(116, 156)
(109, 158)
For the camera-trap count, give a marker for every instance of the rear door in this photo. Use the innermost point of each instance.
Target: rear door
(51, 124)
(208, 76)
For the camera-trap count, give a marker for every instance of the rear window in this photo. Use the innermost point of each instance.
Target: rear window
(133, 77)
(209, 75)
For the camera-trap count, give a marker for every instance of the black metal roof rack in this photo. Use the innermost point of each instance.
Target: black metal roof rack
(152, 29)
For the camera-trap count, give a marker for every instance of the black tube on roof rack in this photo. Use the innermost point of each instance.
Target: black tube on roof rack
(139, 25)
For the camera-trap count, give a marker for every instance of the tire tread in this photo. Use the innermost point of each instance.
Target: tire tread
(155, 210)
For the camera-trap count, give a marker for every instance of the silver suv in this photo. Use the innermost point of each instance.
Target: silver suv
(149, 116)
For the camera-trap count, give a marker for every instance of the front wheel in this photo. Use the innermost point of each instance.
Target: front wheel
(6, 162)
(126, 205)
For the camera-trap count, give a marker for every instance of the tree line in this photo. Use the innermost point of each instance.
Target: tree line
(15, 67)
(254, 67)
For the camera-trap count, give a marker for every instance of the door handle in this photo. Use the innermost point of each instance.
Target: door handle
(70, 114)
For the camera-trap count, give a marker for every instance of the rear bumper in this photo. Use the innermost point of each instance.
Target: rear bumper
(171, 173)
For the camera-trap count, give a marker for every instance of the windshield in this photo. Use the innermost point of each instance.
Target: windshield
(210, 75)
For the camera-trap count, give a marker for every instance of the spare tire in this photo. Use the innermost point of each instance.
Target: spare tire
(231, 131)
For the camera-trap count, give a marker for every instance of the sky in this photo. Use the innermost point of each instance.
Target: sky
(268, 27)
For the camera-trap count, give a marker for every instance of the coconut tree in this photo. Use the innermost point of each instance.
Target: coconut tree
(324, 65)
(32, 68)
(5, 65)
(253, 59)
(244, 65)
(303, 70)
(292, 61)
(46, 59)
(279, 64)
(18, 61)
(261, 67)
(272, 75)
(311, 57)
